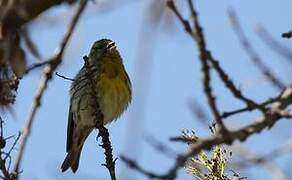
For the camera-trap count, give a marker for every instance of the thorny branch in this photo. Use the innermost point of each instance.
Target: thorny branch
(103, 132)
(54, 62)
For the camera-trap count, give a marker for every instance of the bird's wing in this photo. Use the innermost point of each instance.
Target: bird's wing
(70, 129)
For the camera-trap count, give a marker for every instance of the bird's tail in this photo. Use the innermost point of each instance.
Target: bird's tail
(72, 160)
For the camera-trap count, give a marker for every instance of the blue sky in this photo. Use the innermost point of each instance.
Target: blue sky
(165, 76)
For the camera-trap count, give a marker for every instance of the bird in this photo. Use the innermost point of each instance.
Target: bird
(113, 94)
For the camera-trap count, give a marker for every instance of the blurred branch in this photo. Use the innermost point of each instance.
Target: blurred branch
(135, 166)
(53, 63)
(103, 132)
(287, 34)
(37, 65)
(160, 147)
(148, 36)
(30, 44)
(273, 44)
(199, 112)
(266, 161)
(273, 79)
(23, 11)
(261, 158)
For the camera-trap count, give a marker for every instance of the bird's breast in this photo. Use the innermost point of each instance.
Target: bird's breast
(114, 95)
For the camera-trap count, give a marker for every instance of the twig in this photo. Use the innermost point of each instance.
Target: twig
(3, 168)
(287, 34)
(13, 146)
(273, 79)
(237, 111)
(159, 146)
(32, 47)
(61, 76)
(103, 132)
(37, 65)
(5, 172)
(55, 61)
(263, 104)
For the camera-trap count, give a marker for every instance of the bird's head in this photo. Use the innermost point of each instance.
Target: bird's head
(101, 47)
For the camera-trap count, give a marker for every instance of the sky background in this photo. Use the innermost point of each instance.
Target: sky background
(162, 62)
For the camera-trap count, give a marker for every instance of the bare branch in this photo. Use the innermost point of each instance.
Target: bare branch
(37, 65)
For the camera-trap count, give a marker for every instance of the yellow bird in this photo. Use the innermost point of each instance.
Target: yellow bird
(113, 91)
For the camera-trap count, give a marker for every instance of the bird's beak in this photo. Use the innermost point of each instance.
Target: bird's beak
(111, 45)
